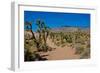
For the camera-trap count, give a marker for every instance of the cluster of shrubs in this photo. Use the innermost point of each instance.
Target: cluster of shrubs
(83, 44)
(61, 38)
(80, 40)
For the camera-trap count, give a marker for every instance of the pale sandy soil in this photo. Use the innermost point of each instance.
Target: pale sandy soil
(60, 53)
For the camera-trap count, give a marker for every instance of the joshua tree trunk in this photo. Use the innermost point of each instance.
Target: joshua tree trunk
(61, 34)
(29, 28)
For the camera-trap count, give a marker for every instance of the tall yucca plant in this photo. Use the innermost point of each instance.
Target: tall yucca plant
(43, 33)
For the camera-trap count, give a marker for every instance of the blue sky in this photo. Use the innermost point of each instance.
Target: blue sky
(55, 19)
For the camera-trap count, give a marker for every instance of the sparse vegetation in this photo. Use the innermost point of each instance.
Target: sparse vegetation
(36, 41)
(79, 40)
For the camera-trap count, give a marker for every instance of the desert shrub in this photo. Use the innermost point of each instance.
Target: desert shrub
(88, 44)
(68, 38)
(79, 49)
(58, 39)
(82, 37)
(57, 43)
(85, 54)
(45, 48)
(28, 56)
(63, 45)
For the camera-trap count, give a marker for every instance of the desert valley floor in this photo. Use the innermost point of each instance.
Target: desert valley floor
(59, 53)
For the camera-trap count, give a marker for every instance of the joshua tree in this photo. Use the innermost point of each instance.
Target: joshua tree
(43, 33)
(52, 36)
(61, 35)
(38, 42)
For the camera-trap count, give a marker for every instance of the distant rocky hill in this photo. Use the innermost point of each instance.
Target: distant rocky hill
(69, 29)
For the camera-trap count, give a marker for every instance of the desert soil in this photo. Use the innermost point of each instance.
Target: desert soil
(60, 53)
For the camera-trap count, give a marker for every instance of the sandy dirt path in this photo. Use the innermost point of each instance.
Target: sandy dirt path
(60, 53)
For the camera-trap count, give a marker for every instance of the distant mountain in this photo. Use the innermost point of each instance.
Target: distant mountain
(69, 29)
(76, 26)
(64, 29)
